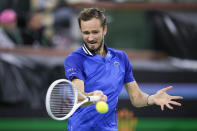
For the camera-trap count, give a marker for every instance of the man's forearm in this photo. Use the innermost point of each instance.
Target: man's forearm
(137, 97)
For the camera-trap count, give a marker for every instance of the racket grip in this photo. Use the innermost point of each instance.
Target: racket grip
(94, 98)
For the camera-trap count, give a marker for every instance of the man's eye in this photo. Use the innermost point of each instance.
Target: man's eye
(95, 32)
(86, 33)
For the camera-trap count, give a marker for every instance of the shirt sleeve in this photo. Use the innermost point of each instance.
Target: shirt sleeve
(128, 70)
(73, 68)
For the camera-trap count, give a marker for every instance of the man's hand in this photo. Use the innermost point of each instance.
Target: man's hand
(100, 94)
(79, 84)
(162, 99)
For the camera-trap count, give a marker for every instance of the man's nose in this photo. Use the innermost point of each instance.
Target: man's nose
(90, 37)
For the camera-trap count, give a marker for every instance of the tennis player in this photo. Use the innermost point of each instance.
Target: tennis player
(96, 69)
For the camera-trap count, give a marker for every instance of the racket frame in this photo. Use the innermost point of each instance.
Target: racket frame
(48, 96)
(76, 104)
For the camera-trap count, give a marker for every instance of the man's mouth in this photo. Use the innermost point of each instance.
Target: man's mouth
(92, 43)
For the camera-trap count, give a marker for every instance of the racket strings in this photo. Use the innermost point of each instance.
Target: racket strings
(62, 99)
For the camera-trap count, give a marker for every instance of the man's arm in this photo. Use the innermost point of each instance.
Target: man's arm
(141, 99)
(137, 97)
(79, 84)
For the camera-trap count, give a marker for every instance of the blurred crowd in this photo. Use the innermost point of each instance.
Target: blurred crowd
(42, 23)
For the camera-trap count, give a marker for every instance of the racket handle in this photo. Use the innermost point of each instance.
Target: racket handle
(94, 98)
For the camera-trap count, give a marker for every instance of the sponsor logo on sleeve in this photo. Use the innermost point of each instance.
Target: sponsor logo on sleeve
(71, 71)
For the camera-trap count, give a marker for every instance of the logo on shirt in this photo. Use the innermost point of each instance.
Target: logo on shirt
(116, 63)
(71, 71)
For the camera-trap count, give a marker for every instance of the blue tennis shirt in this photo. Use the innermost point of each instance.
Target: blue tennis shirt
(98, 73)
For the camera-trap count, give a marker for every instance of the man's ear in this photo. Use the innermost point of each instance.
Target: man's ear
(105, 30)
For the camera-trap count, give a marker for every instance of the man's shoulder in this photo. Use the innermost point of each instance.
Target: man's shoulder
(76, 55)
(114, 49)
(116, 52)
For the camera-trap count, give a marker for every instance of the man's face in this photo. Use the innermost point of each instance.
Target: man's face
(93, 33)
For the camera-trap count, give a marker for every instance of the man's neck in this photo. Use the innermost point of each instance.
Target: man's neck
(102, 51)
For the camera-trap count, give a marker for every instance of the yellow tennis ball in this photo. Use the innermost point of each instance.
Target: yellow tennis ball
(102, 107)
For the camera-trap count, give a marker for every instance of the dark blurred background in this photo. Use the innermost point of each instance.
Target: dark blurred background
(159, 37)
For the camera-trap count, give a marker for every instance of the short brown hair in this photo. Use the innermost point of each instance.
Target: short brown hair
(89, 13)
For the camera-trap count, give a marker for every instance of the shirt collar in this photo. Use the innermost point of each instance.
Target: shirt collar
(88, 52)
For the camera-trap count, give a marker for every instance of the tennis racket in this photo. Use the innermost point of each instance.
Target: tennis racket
(62, 99)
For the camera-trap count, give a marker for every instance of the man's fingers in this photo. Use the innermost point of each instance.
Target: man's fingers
(167, 88)
(175, 103)
(162, 107)
(176, 97)
(104, 98)
(98, 93)
(169, 106)
(101, 95)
